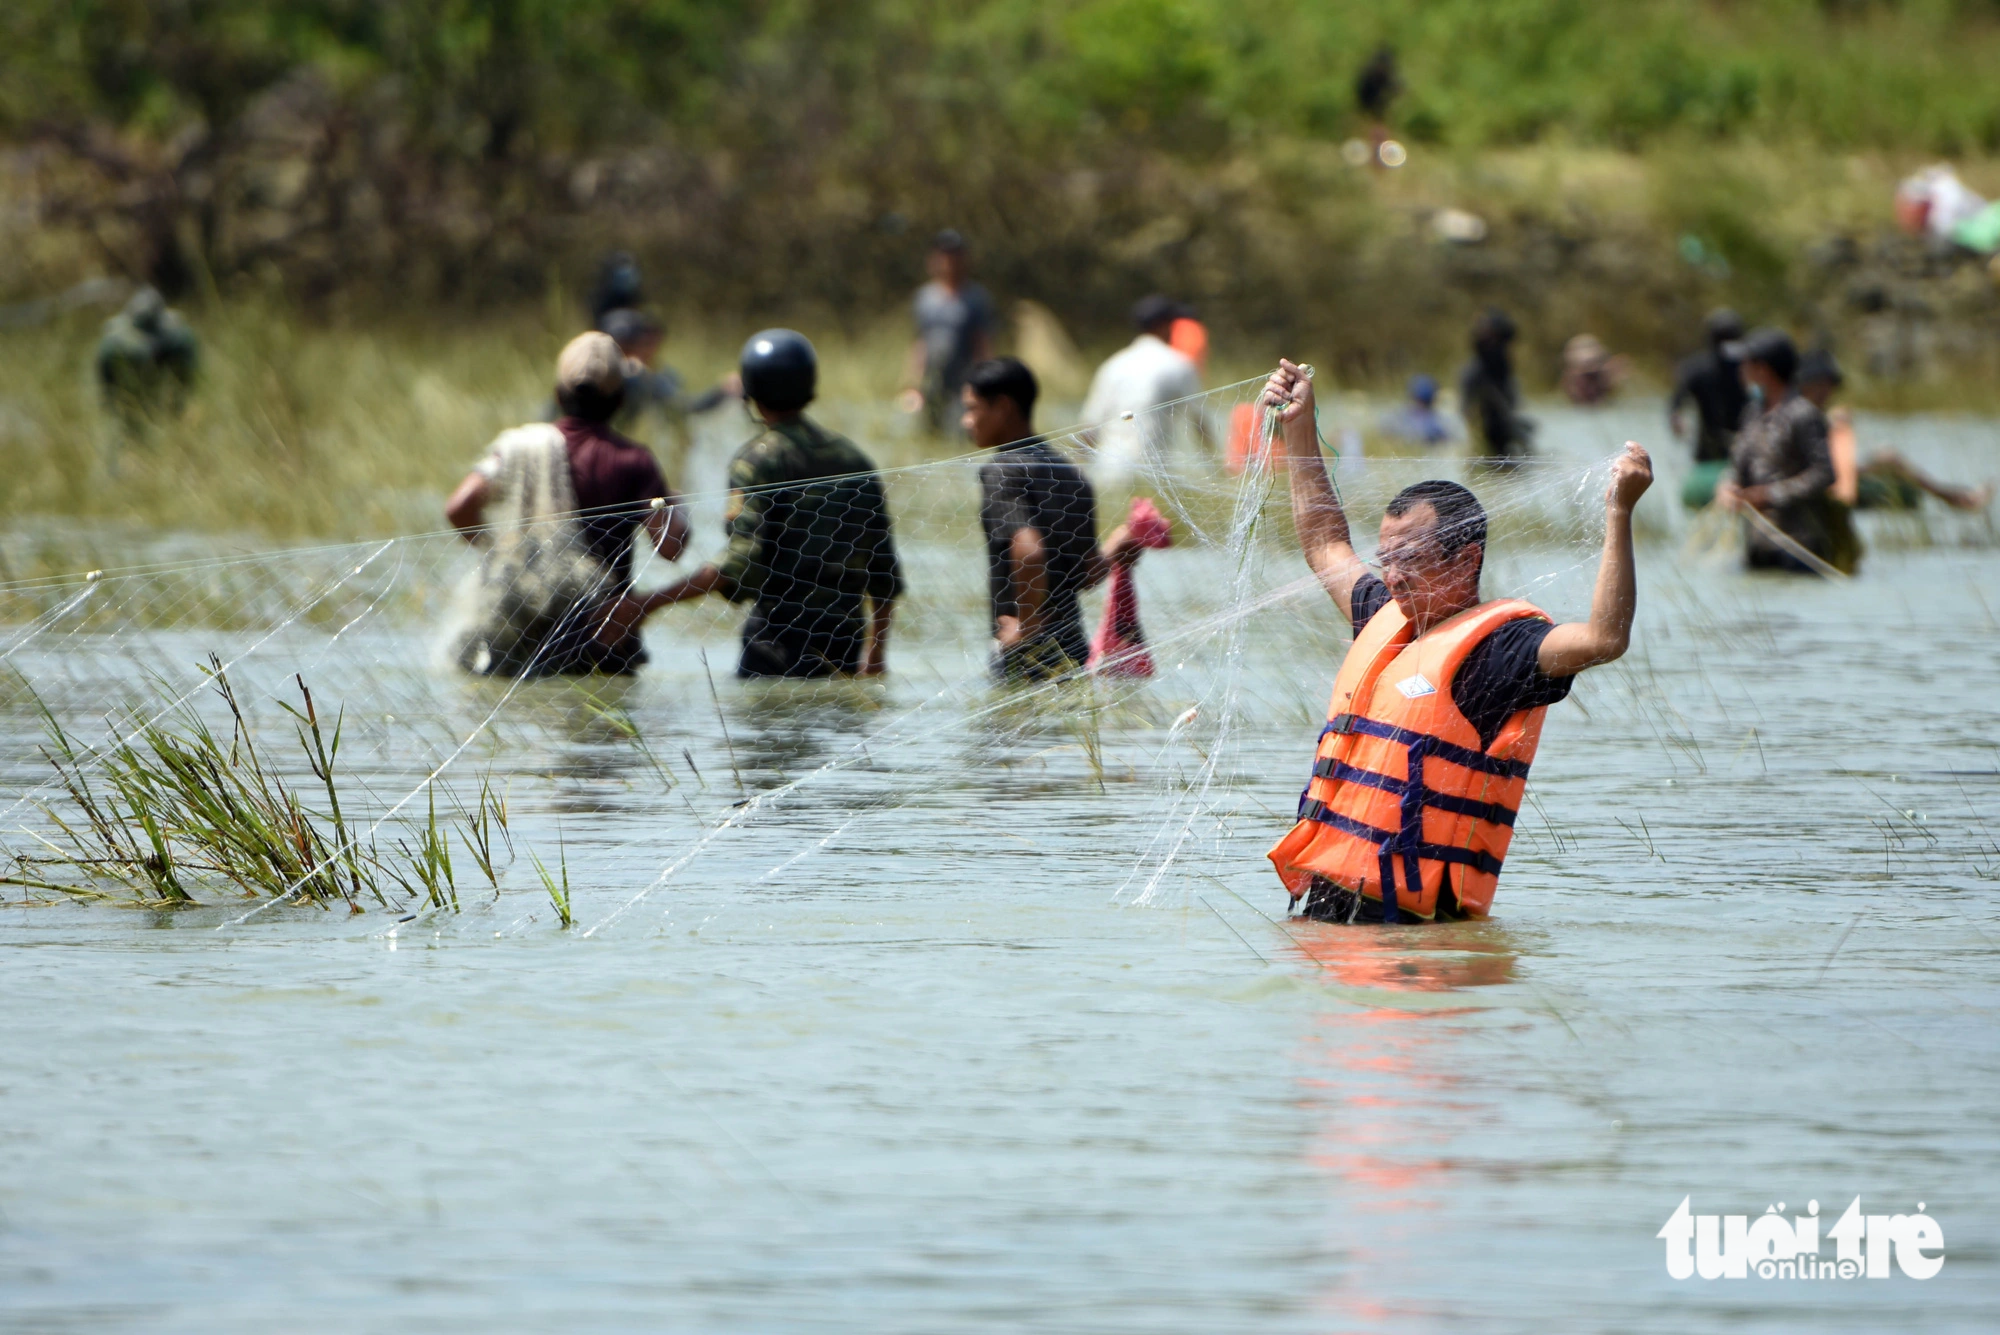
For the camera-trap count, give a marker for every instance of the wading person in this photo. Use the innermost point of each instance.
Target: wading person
(1710, 381)
(954, 318)
(1128, 428)
(146, 359)
(1781, 466)
(1885, 480)
(1490, 397)
(810, 543)
(1438, 707)
(553, 508)
(1040, 518)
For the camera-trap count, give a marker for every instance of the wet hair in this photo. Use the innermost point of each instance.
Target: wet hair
(1005, 377)
(1461, 519)
(590, 403)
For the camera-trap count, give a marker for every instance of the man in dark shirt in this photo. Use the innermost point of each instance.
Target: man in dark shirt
(1490, 397)
(584, 477)
(1040, 518)
(954, 319)
(1710, 381)
(1432, 551)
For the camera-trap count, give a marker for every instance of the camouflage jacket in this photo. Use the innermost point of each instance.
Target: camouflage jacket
(808, 523)
(1784, 450)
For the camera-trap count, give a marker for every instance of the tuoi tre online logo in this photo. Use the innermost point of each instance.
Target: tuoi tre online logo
(1774, 1247)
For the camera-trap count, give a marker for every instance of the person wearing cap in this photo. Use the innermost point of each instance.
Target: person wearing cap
(954, 318)
(1885, 480)
(1490, 397)
(1123, 409)
(811, 546)
(1710, 381)
(1780, 466)
(146, 359)
(1418, 420)
(553, 508)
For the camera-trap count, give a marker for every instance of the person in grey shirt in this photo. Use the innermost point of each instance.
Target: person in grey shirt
(954, 320)
(1780, 465)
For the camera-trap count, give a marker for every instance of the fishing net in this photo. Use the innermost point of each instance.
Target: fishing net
(379, 728)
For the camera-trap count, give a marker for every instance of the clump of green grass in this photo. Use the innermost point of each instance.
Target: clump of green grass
(173, 807)
(557, 885)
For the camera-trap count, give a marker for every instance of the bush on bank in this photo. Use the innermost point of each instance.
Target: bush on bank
(762, 157)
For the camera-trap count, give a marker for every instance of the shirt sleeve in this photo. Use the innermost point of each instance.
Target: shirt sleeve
(1004, 503)
(1503, 675)
(1370, 596)
(742, 566)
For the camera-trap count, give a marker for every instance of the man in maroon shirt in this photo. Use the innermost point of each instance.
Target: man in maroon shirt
(559, 552)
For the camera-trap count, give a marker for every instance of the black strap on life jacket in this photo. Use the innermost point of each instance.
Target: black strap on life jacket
(1407, 843)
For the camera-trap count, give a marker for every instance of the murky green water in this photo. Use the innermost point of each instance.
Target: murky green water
(886, 1022)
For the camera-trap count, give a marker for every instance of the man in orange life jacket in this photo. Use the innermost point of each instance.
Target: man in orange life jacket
(1439, 704)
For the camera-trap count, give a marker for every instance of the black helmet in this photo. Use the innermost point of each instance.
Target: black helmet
(780, 370)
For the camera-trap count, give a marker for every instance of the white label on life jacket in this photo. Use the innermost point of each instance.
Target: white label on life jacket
(1412, 687)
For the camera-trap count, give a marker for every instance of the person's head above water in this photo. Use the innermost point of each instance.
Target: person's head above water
(947, 259)
(146, 309)
(1155, 315)
(590, 377)
(1724, 326)
(1423, 390)
(999, 399)
(1493, 329)
(780, 371)
(1819, 376)
(1767, 358)
(1432, 550)
(636, 333)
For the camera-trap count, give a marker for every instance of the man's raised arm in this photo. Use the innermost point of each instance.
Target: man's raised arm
(1576, 645)
(1317, 518)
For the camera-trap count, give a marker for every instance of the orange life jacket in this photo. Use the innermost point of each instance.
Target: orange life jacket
(1401, 782)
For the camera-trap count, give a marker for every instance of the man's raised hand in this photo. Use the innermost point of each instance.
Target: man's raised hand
(1631, 474)
(1290, 391)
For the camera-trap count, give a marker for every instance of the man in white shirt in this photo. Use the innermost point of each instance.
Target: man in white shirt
(1128, 427)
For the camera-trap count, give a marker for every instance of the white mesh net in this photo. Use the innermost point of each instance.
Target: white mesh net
(279, 731)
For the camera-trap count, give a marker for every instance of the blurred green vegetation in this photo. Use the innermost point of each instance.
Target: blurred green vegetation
(491, 79)
(785, 158)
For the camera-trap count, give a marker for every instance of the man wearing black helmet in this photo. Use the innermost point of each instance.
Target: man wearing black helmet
(810, 543)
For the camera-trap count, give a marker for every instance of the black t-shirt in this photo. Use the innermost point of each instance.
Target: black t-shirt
(1715, 388)
(1033, 486)
(1499, 678)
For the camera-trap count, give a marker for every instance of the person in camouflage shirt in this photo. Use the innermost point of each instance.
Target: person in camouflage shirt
(811, 546)
(1780, 464)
